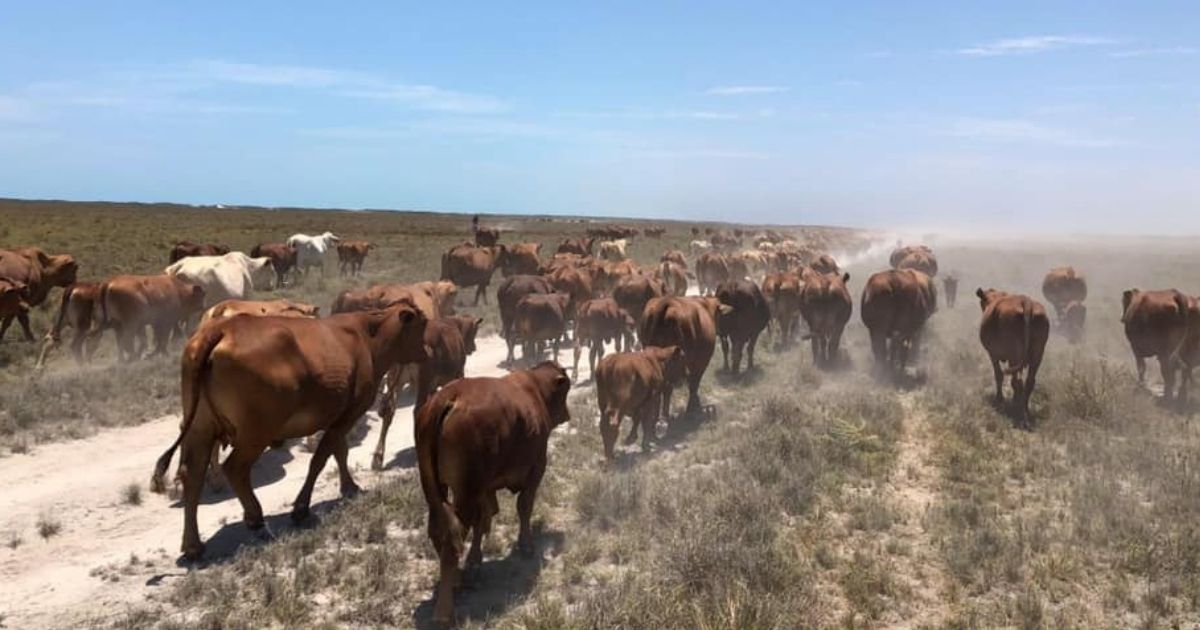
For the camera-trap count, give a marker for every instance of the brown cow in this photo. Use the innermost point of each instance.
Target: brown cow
(261, 308)
(520, 259)
(351, 255)
(638, 385)
(12, 304)
(579, 246)
(654, 232)
(902, 252)
(449, 341)
(540, 318)
(782, 292)
(826, 306)
(474, 437)
(128, 304)
(184, 249)
(674, 256)
(674, 278)
(597, 322)
(1014, 330)
(711, 270)
(895, 304)
(1157, 325)
(470, 266)
(691, 324)
(283, 259)
(825, 264)
(486, 237)
(950, 286)
(574, 282)
(253, 381)
(747, 317)
(632, 293)
(1066, 289)
(924, 262)
(510, 292)
(39, 272)
(80, 309)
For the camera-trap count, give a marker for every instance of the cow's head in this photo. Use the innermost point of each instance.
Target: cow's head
(330, 239)
(61, 270)
(674, 365)
(1126, 300)
(405, 327)
(554, 385)
(987, 296)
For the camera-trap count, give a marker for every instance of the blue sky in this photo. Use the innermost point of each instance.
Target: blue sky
(1051, 115)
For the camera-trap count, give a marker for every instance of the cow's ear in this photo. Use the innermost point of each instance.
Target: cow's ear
(846, 277)
(407, 315)
(979, 293)
(478, 322)
(198, 291)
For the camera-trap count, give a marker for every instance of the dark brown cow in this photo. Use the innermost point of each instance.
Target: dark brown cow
(747, 317)
(184, 249)
(79, 309)
(283, 259)
(895, 305)
(351, 255)
(826, 306)
(470, 266)
(449, 341)
(128, 304)
(597, 322)
(782, 292)
(486, 237)
(691, 324)
(1014, 330)
(1157, 325)
(950, 286)
(711, 270)
(475, 437)
(520, 259)
(252, 381)
(638, 385)
(632, 293)
(39, 272)
(674, 256)
(510, 292)
(540, 318)
(579, 246)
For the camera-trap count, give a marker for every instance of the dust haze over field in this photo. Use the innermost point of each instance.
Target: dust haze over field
(810, 498)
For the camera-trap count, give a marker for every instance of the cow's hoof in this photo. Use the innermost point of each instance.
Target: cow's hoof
(351, 491)
(194, 552)
(300, 514)
(377, 462)
(254, 524)
(525, 548)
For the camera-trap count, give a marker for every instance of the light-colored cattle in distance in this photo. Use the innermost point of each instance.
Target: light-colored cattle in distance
(615, 251)
(698, 247)
(310, 250)
(227, 277)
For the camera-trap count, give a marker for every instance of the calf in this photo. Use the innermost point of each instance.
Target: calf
(128, 304)
(477, 436)
(510, 292)
(638, 385)
(1014, 330)
(282, 256)
(351, 255)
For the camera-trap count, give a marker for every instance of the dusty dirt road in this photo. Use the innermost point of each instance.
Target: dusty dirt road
(109, 553)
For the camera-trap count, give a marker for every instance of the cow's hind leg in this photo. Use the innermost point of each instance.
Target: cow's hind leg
(610, 427)
(23, 318)
(300, 509)
(193, 464)
(1141, 369)
(999, 376)
(237, 470)
(525, 508)
(488, 508)
(1166, 362)
(387, 408)
(341, 450)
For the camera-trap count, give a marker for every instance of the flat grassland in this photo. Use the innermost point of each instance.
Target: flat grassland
(810, 499)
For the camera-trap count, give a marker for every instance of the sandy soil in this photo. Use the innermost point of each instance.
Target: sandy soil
(109, 553)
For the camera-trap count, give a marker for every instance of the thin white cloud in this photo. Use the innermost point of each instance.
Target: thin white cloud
(431, 98)
(1024, 131)
(668, 115)
(1147, 52)
(744, 90)
(13, 109)
(1033, 44)
(703, 154)
(278, 75)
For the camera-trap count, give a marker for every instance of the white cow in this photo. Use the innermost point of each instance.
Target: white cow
(614, 250)
(223, 277)
(699, 247)
(310, 250)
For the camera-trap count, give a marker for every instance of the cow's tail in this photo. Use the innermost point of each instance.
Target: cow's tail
(195, 369)
(427, 438)
(1027, 348)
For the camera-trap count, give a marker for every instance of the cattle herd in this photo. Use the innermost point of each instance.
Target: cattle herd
(255, 373)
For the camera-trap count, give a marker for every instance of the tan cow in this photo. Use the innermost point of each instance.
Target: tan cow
(1014, 330)
(475, 437)
(638, 385)
(261, 308)
(711, 270)
(128, 304)
(674, 278)
(520, 259)
(673, 256)
(614, 250)
(351, 255)
(252, 381)
(782, 292)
